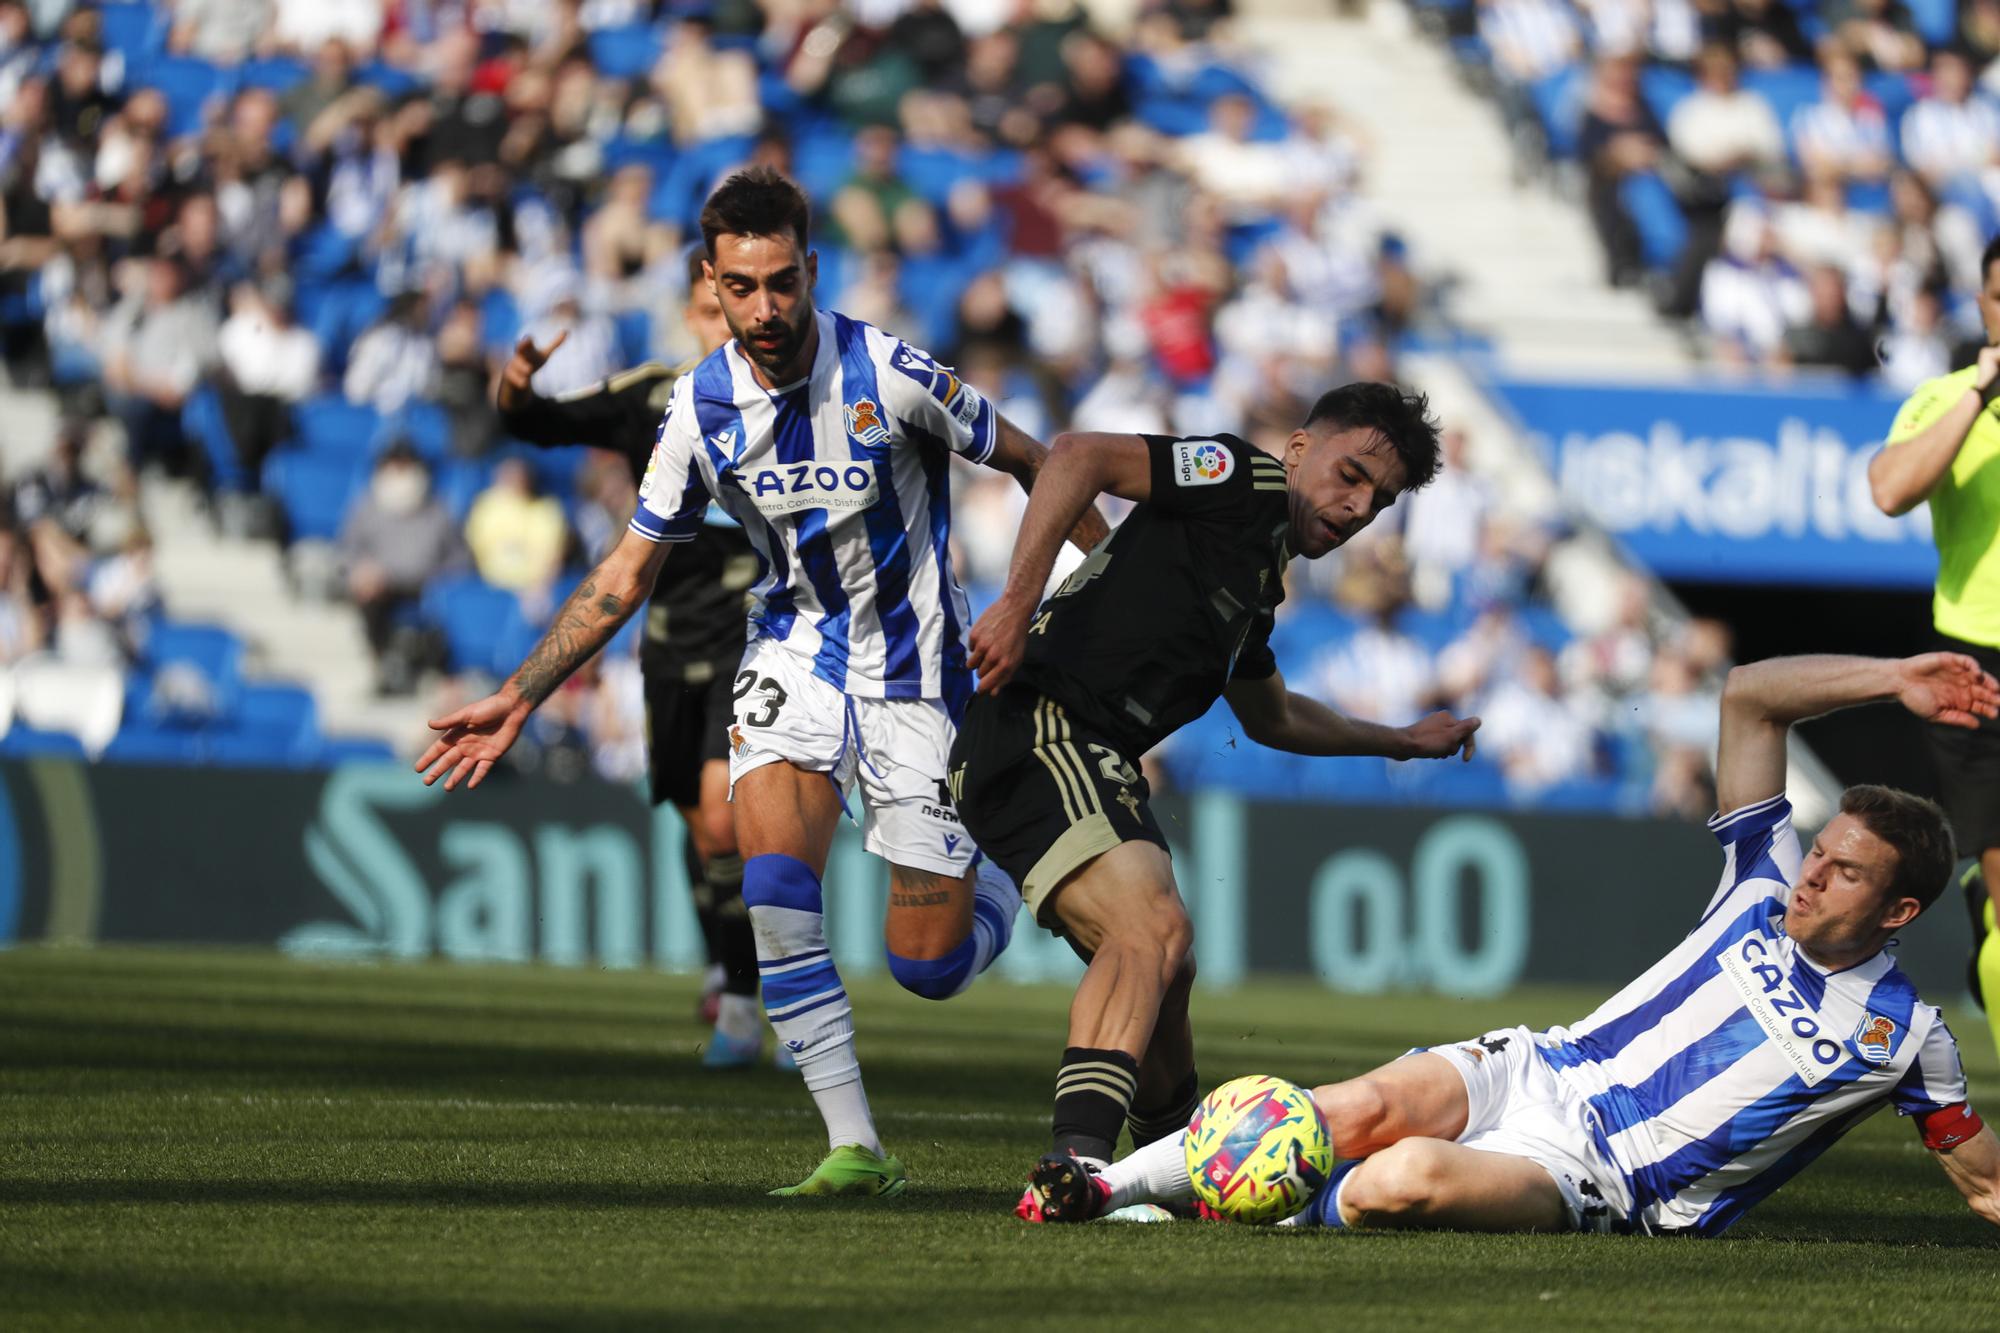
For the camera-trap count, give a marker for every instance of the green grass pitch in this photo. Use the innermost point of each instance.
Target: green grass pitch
(213, 1141)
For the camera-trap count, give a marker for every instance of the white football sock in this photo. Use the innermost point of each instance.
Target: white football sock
(1156, 1173)
(740, 1018)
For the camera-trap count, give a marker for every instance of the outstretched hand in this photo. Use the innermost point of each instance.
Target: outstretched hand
(528, 359)
(1440, 736)
(473, 739)
(1948, 688)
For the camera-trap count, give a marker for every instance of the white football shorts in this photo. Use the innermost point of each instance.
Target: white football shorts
(894, 750)
(1518, 1106)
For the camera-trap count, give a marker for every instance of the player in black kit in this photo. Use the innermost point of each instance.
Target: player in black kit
(1171, 610)
(693, 641)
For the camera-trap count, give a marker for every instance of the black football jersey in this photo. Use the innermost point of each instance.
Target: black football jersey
(695, 623)
(1179, 600)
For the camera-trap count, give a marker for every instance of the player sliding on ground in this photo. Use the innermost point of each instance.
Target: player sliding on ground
(829, 441)
(1173, 610)
(1776, 1026)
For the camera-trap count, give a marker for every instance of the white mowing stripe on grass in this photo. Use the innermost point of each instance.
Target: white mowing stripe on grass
(663, 1110)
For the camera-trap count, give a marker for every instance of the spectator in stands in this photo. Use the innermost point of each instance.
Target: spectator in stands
(304, 26)
(22, 628)
(1951, 134)
(1444, 521)
(876, 209)
(1529, 39)
(1246, 176)
(59, 492)
(710, 92)
(1916, 348)
(159, 343)
(1619, 137)
(588, 350)
(1721, 128)
(1751, 294)
(396, 538)
(394, 361)
(1764, 34)
(517, 537)
(1880, 33)
(221, 32)
(464, 383)
(124, 592)
(269, 366)
(1537, 735)
(81, 97)
(1377, 671)
(1846, 133)
(1829, 335)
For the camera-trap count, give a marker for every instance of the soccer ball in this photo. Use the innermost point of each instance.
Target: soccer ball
(1257, 1149)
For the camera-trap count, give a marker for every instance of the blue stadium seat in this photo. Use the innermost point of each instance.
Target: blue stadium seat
(1787, 89)
(155, 745)
(23, 742)
(336, 750)
(322, 253)
(314, 489)
(656, 155)
(1936, 21)
(135, 31)
(286, 711)
(201, 419)
(458, 482)
(1663, 87)
(471, 615)
(625, 53)
(635, 336)
(188, 84)
(248, 748)
(1558, 101)
(423, 424)
(1663, 229)
(329, 424)
(343, 310)
(278, 73)
(499, 321)
(391, 80)
(211, 649)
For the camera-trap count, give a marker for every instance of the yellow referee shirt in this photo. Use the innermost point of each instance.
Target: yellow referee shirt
(1965, 513)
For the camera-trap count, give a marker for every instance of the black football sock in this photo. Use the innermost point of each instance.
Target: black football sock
(704, 900)
(1093, 1091)
(735, 944)
(1151, 1124)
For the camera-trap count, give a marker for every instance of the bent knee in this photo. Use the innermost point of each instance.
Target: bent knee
(935, 978)
(1406, 1179)
(1356, 1112)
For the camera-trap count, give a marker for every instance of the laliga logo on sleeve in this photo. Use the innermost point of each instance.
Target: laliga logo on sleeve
(1202, 462)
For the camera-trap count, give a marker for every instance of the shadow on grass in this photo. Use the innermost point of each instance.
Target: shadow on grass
(111, 1052)
(102, 1298)
(952, 1200)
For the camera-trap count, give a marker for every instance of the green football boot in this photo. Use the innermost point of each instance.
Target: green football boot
(851, 1170)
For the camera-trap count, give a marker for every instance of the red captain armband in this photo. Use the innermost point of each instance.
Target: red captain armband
(1948, 1126)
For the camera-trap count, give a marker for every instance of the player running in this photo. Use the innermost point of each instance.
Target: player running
(1172, 610)
(830, 442)
(1776, 1026)
(694, 638)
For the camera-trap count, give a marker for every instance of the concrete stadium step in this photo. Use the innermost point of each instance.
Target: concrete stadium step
(1528, 269)
(242, 584)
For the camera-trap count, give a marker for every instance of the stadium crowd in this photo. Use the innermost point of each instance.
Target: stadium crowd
(287, 244)
(1804, 182)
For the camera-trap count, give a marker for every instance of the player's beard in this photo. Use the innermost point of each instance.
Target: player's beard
(774, 359)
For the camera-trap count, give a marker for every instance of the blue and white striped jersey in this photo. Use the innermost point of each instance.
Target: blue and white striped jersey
(842, 483)
(1734, 1061)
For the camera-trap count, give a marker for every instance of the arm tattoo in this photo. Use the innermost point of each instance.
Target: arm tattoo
(586, 623)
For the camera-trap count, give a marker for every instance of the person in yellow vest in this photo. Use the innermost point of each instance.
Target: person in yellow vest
(1945, 448)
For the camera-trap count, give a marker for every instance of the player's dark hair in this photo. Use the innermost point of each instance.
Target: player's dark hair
(1919, 832)
(1988, 259)
(1402, 417)
(757, 201)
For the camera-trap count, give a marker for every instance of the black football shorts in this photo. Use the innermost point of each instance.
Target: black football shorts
(1042, 794)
